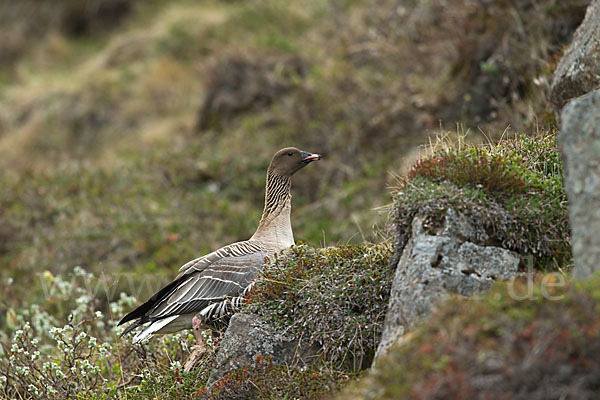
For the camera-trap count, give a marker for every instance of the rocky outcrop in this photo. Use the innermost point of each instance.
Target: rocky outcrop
(579, 70)
(450, 260)
(248, 337)
(579, 141)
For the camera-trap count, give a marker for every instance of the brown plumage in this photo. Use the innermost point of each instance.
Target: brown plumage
(213, 285)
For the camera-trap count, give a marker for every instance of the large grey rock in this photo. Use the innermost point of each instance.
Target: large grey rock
(579, 141)
(459, 227)
(247, 337)
(578, 72)
(433, 266)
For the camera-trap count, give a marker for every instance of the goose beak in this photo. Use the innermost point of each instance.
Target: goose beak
(308, 157)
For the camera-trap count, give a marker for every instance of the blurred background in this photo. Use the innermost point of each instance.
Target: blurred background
(135, 135)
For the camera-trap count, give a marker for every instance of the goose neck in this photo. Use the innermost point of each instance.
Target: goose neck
(275, 228)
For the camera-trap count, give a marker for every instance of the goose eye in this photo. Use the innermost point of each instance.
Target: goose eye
(290, 153)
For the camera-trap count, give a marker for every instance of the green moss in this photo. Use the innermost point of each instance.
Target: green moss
(514, 189)
(333, 298)
(475, 168)
(498, 346)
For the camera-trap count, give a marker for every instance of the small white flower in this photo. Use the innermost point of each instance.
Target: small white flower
(18, 335)
(104, 348)
(175, 366)
(54, 332)
(99, 314)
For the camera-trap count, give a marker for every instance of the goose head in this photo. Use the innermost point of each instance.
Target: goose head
(289, 160)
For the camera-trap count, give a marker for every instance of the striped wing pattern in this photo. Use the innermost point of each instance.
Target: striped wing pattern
(247, 247)
(210, 285)
(223, 279)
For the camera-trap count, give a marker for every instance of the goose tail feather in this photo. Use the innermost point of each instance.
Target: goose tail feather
(153, 328)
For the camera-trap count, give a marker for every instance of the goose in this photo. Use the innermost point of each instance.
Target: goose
(213, 286)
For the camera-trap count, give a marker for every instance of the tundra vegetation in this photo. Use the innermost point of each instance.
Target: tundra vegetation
(134, 136)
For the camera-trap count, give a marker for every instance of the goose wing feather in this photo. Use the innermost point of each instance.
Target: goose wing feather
(247, 247)
(225, 278)
(224, 273)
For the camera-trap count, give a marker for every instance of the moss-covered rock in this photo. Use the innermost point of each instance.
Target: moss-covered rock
(246, 338)
(513, 189)
(332, 298)
(529, 339)
(433, 266)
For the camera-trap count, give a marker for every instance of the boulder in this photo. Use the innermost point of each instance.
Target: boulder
(435, 264)
(246, 338)
(578, 72)
(579, 141)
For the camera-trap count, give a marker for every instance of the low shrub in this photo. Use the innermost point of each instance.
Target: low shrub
(67, 348)
(267, 380)
(332, 298)
(529, 339)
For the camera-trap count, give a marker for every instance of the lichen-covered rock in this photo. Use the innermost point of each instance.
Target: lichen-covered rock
(578, 72)
(248, 337)
(458, 226)
(434, 265)
(580, 147)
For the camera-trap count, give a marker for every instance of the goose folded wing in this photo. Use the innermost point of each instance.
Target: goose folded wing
(227, 277)
(238, 249)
